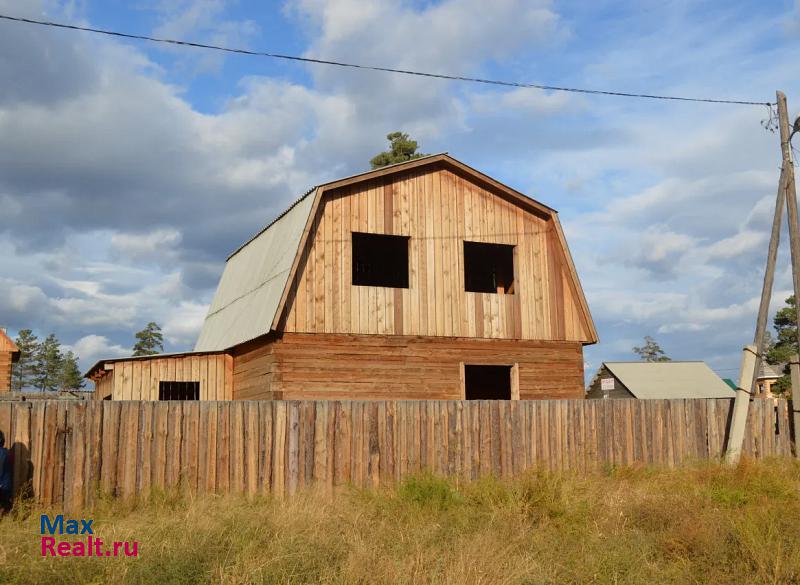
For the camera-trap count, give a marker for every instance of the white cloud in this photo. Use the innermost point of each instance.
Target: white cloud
(151, 245)
(92, 348)
(743, 242)
(183, 323)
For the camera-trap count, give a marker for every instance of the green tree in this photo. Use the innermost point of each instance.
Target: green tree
(24, 373)
(71, 377)
(401, 149)
(784, 345)
(651, 351)
(49, 364)
(149, 341)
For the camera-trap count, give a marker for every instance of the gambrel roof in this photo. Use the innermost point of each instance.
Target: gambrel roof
(253, 289)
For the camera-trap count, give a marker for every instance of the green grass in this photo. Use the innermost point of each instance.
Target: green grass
(706, 524)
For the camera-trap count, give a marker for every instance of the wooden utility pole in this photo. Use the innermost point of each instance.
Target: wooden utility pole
(794, 370)
(750, 359)
(791, 199)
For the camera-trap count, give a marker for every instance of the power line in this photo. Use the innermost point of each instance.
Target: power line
(382, 69)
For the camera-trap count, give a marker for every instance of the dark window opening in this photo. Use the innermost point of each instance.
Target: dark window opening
(487, 382)
(488, 268)
(380, 260)
(179, 390)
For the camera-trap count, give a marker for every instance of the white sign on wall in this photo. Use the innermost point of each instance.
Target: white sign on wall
(607, 384)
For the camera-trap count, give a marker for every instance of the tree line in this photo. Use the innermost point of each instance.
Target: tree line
(45, 366)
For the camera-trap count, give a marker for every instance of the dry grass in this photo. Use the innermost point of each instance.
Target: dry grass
(707, 524)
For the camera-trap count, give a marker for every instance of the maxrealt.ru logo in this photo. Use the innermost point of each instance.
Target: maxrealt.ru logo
(88, 546)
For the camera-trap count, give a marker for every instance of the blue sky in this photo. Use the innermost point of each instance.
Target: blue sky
(128, 171)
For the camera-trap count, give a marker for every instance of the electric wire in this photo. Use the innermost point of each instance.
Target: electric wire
(378, 68)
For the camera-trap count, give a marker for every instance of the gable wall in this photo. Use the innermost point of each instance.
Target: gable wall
(138, 379)
(438, 209)
(595, 389)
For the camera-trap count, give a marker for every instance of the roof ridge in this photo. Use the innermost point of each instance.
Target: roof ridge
(317, 186)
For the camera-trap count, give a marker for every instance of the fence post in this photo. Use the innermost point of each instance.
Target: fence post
(794, 370)
(741, 405)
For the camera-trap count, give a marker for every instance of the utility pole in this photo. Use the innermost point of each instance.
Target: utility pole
(791, 198)
(752, 357)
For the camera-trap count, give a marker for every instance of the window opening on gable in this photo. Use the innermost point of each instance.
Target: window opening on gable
(488, 268)
(380, 260)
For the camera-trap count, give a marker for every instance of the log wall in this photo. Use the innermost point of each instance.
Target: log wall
(385, 367)
(5, 371)
(65, 453)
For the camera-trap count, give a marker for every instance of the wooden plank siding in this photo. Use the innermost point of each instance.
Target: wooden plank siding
(385, 367)
(438, 209)
(138, 379)
(66, 454)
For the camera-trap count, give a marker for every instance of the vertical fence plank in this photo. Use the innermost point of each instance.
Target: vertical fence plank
(172, 473)
(37, 444)
(293, 447)
(251, 448)
(61, 453)
(223, 447)
(158, 451)
(76, 445)
(236, 453)
(265, 418)
(20, 447)
(279, 450)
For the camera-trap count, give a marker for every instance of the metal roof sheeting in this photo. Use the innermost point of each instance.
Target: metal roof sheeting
(252, 284)
(656, 380)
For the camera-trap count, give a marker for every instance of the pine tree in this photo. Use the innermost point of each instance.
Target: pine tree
(25, 372)
(149, 341)
(401, 149)
(785, 346)
(651, 351)
(49, 364)
(71, 377)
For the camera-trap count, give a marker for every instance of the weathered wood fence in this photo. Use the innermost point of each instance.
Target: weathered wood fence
(68, 453)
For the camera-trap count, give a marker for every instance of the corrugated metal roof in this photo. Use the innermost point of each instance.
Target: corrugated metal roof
(252, 284)
(653, 380)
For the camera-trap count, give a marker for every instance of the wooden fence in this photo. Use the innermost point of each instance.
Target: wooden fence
(68, 453)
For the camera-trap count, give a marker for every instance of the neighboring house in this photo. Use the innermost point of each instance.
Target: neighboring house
(421, 280)
(648, 380)
(768, 375)
(9, 353)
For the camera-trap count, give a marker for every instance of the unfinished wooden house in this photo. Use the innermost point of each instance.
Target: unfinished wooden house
(421, 280)
(9, 353)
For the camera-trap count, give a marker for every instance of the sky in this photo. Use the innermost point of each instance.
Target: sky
(129, 171)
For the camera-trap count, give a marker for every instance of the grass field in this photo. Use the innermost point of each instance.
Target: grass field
(706, 524)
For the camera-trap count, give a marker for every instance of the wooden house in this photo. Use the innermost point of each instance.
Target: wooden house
(9, 353)
(657, 381)
(421, 280)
